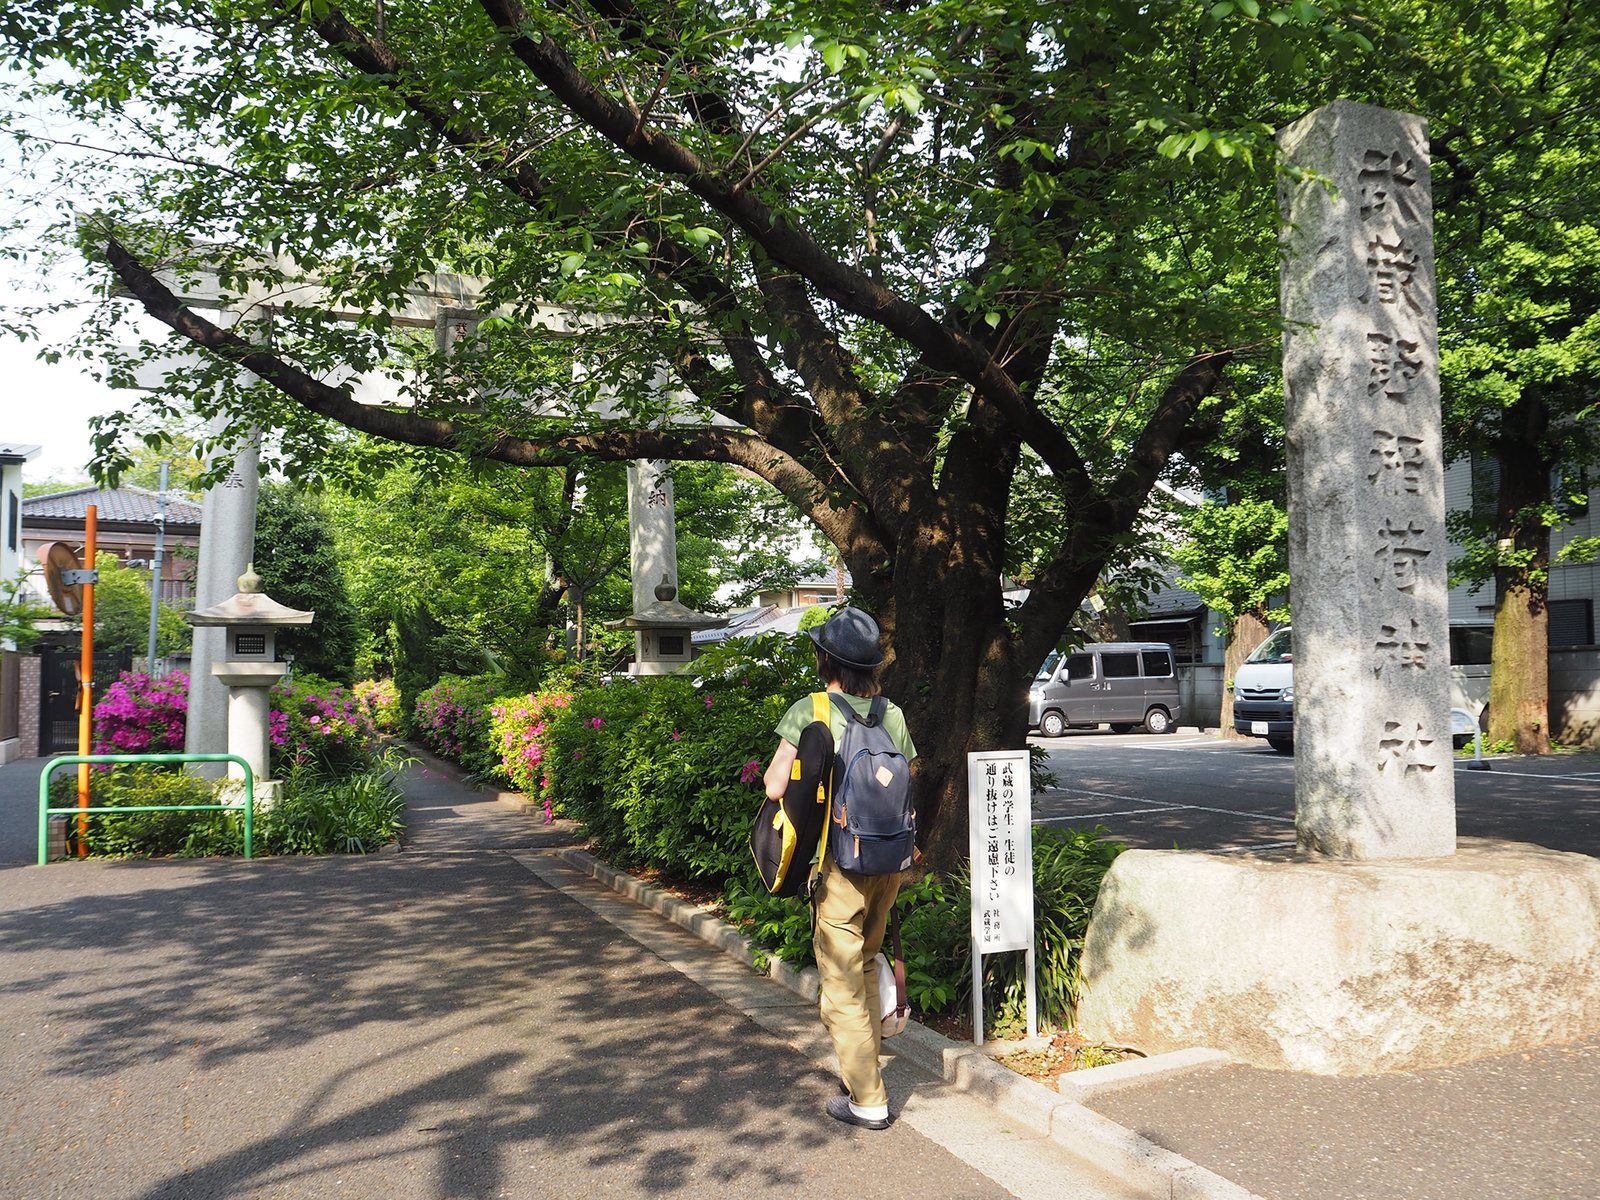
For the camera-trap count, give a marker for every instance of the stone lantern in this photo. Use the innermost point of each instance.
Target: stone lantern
(248, 666)
(662, 631)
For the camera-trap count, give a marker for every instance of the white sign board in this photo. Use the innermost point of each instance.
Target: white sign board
(1000, 821)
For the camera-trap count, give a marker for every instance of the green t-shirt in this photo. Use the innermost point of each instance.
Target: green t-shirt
(801, 714)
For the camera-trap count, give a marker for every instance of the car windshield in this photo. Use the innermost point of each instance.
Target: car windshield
(1049, 668)
(1278, 648)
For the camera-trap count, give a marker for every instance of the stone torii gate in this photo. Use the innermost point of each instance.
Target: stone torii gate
(1383, 943)
(446, 304)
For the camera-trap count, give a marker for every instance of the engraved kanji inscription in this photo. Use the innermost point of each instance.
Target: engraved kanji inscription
(1388, 180)
(1402, 549)
(1395, 463)
(1394, 364)
(1402, 747)
(1392, 273)
(1401, 646)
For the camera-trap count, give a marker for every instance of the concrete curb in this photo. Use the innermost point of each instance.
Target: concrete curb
(1058, 1115)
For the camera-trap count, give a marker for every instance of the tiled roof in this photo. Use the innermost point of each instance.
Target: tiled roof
(1171, 599)
(124, 505)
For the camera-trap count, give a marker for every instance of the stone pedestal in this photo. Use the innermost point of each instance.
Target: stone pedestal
(250, 714)
(1346, 968)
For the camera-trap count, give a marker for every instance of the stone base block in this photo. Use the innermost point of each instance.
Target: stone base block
(1346, 968)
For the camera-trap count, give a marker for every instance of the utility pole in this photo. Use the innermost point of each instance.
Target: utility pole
(155, 573)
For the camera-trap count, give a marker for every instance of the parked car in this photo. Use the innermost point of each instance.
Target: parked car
(1121, 684)
(1263, 697)
(1263, 692)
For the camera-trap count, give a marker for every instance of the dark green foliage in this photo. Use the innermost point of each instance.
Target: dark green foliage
(295, 558)
(149, 834)
(421, 650)
(354, 812)
(321, 814)
(665, 772)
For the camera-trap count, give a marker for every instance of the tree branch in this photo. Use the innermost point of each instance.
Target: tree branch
(943, 347)
(845, 525)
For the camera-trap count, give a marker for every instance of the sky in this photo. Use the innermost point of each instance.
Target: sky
(49, 405)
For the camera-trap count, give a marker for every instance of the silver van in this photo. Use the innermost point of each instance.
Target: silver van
(1121, 684)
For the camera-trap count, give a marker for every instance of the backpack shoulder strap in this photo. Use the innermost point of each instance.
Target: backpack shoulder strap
(819, 707)
(843, 706)
(878, 710)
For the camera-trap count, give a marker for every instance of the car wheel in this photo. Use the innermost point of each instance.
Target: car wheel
(1283, 745)
(1158, 720)
(1121, 728)
(1051, 725)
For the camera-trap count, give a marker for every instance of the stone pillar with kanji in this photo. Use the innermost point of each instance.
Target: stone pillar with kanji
(1373, 758)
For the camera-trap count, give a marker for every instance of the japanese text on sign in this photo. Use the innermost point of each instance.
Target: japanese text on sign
(1000, 819)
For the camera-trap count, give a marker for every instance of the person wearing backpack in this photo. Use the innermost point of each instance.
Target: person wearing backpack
(850, 907)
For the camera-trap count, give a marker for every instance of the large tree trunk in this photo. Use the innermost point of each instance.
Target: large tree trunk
(956, 668)
(1248, 632)
(1519, 674)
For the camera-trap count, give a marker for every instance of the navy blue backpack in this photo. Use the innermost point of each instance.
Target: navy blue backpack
(873, 828)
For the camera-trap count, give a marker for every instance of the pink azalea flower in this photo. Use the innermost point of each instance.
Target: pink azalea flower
(751, 772)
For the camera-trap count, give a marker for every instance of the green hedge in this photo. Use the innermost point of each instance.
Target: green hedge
(935, 915)
(453, 719)
(664, 771)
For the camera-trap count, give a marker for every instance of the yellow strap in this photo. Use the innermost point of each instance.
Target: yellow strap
(821, 709)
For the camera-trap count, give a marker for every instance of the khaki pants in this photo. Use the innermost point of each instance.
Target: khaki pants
(851, 913)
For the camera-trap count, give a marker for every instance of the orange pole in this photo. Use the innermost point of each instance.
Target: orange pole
(86, 681)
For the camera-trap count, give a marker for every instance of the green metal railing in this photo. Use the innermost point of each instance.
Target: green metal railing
(46, 812)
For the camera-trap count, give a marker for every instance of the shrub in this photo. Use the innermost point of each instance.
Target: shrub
(518, 734)
(452, 719)
(380, 700)
(319, 724)
(139, 714)
(180, 834)
(664, 772)
(320, 814)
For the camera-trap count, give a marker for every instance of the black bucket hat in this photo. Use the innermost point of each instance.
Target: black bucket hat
(850, 637)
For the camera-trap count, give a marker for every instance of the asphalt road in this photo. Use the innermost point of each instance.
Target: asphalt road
(1196, 791)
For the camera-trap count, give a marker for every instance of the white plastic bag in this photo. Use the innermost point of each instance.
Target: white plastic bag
(888, 999)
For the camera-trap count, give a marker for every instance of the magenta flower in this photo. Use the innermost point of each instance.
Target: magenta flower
(708, 699)
(751, 772)
(596, 722)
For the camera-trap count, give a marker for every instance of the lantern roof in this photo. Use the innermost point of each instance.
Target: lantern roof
(250, 605)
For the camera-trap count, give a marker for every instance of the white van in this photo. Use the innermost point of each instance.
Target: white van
(1122, 684)
(1263, 696)
(1263, 692)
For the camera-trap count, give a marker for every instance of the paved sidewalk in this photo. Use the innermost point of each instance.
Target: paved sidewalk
(473, 1018)
(436, 1023)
